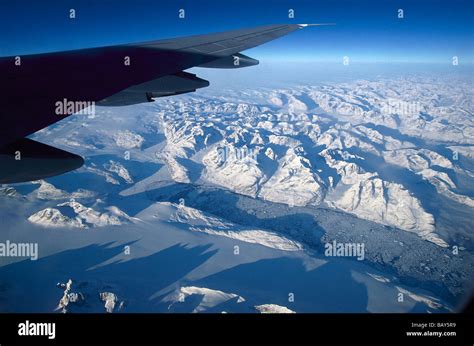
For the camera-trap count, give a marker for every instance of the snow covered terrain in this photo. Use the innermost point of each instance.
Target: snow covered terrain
(199, 222)
(210, 298)
(223, 200)
(273, 309)
(79, 216)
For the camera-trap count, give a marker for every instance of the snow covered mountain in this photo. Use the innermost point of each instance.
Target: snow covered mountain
(314, 146)
(74, 214)
(241, 184)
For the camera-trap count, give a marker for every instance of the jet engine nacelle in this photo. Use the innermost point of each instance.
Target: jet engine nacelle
(28, 160)
(232, 61)
(179, 83)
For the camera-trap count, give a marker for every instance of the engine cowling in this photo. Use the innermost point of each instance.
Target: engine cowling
(28, 160)
(232, 61)
(179, 83)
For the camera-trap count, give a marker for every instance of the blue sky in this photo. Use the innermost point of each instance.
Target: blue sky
(432, 30)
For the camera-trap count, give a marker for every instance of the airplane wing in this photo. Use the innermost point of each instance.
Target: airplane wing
(39, 90)
(225, 43)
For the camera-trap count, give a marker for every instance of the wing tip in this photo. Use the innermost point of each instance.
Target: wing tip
(301, 26)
